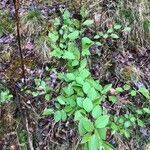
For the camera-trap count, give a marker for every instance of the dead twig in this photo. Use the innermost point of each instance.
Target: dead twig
(30, 138)
(16, 5)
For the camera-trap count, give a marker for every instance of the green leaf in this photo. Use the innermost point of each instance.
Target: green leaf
(68, 109)
(98, 43)
(61, 32)
(86, 138)
(68, 55)
(88, 22)
(126, 133)
(121, 120)
(57, 116)
(110, 30)
(133, 93)
(105, 36)
(71, 101)
(78, 116)
(146, 110)
(76, 23)
(86, 44)
(70, 76)
(47, 97)
(75, 63)
(84, 73)
(144, 91)
(79, 80)
(107, 146)
(126, 87)
(117, 26)
(140, 123)
(94, 144)
(119, 89)
(139, 112)
(74, 35)
(57, 22)
(127, 29)
(83, 63)
(66, 14)
(81, 129)
(132, 119)
(61, 100)
(65, 36)
(127, 124)
(88, 125)
(106, 88)
(86, 41)
(71, 29)
(92, 94)
(113, 99)
(68, 90)
(47, 111)
(96, 37)
(85, 52)
(114, 127)
(53, 36)
(86, 87)
(61, 45)
(63, 115)
(96, 85)
(96, 112)
(35, 94)
(83, 12)
(80, 101)
(114, 36)
(87, 105)
(79, 92)
(102, 121)
(102, 133)
(57, 53)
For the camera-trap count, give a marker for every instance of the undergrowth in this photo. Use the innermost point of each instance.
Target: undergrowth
(98, 109)
(80, 97)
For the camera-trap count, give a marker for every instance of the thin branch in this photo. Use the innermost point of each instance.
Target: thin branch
(17, 5)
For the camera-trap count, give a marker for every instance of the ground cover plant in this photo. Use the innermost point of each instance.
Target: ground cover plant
(80, 96)
(82, 87)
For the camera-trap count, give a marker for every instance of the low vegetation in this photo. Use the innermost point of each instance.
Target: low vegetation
(76, 86)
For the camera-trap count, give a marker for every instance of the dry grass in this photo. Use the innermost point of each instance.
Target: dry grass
(31, 22)
(135, 14)
(6, 23)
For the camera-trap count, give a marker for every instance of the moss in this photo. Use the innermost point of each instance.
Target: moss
(14, 71)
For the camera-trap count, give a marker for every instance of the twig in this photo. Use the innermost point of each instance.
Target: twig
(30, 138)
(16, 5)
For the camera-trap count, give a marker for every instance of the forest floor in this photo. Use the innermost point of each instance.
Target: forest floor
(122, 61)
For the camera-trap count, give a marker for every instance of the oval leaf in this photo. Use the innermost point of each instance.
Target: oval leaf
(102, 121)
(86, 87)
(57, 116)
(93, 144)
(87, 105)
(88, 125)
(74, 35)
(96, 112)
(88, 22)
